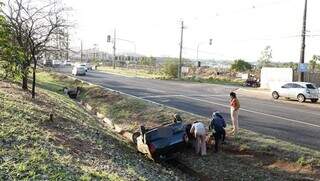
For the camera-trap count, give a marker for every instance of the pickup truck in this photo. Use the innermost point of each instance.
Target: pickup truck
(161, 142)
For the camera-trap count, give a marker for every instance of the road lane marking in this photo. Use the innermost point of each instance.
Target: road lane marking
(179, 95)
(255, 112)
(210, 102)
(159, 96)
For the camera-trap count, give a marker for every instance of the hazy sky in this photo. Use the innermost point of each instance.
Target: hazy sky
(239, 29)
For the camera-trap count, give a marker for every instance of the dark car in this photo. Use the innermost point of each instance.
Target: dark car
(161, 142)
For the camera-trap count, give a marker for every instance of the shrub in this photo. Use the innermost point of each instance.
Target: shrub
(170, 68)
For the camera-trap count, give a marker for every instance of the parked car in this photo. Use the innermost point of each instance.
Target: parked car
(78, 70)
(67, 63)
(297, 90)
(251, 83)
(161, 142)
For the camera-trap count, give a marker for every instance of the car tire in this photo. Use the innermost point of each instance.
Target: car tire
(275, 95)
(314, 100)
(301, 98)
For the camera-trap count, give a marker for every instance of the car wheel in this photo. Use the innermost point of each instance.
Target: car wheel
(275, 95)
(314, 100)
(301, 98)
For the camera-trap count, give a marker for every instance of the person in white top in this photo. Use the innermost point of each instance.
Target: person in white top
(199, 131)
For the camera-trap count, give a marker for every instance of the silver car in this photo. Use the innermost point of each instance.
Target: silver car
(78, 70)
(297, 90)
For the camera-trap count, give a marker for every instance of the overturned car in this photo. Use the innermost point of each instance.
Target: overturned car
(160, 143)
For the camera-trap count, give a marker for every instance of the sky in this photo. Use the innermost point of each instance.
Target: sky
(239, 29)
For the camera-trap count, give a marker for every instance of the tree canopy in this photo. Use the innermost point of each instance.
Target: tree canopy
(265, 58)
(31, 25)
(10, 53)
(241, 66)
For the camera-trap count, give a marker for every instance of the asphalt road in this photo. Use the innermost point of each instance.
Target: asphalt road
(294, 123)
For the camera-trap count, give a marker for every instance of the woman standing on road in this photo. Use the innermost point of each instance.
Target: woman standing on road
(234, 108)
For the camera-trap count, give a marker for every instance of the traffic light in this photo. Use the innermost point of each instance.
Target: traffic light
(108, 38)
(210, 41)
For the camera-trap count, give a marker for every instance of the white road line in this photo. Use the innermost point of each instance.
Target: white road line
(159, 96)
(179, 95)
(255, 112)
(223, 105)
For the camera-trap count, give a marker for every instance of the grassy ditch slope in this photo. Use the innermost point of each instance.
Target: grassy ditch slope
(73, 146)
(251, 156)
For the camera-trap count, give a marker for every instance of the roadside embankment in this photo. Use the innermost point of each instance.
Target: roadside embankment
(74, 145)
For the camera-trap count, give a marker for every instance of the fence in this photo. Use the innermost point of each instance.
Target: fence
(308, 77)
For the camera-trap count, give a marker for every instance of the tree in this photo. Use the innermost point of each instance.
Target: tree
(149, 61)
(33, 23)
(9, 53)
(241, 66)
(313, 66)
(292, 65)
(265, 58)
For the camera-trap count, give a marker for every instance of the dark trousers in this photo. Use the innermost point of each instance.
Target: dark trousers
(218, 135)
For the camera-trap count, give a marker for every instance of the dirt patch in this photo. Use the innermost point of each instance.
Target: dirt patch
(293, 168)
(270, 162)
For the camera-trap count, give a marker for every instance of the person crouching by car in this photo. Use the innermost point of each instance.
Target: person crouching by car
(217, 125)
(199, 131)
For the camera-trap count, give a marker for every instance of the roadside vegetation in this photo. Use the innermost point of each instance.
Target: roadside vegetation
(169, 72)
(72, 146)
(129, 72)
(251, 155)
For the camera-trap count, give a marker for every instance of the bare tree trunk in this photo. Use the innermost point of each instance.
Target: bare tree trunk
(34, 78)
(25, 79)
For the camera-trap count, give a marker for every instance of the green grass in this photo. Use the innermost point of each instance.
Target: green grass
(74, 146)
(132, 72)
(261, 151)
(158, 75)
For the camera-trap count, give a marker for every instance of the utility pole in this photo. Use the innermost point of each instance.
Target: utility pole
(181, 46)
(303, 44)
(81, 52)
(67, 56)
(114, 49)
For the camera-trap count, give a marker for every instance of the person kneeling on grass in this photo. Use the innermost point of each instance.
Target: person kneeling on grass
(199, 131)
(217, 125)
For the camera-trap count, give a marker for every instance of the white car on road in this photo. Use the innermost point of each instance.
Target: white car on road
(78, 70)
(297, 90)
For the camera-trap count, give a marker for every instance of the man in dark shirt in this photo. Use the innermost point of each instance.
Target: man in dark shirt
(217, 125)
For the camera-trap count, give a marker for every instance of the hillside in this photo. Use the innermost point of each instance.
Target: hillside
(74, 146)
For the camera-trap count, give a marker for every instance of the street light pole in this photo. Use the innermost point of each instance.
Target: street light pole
(198, 51)
(181, 46)
(303, 43)
(114, 49)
